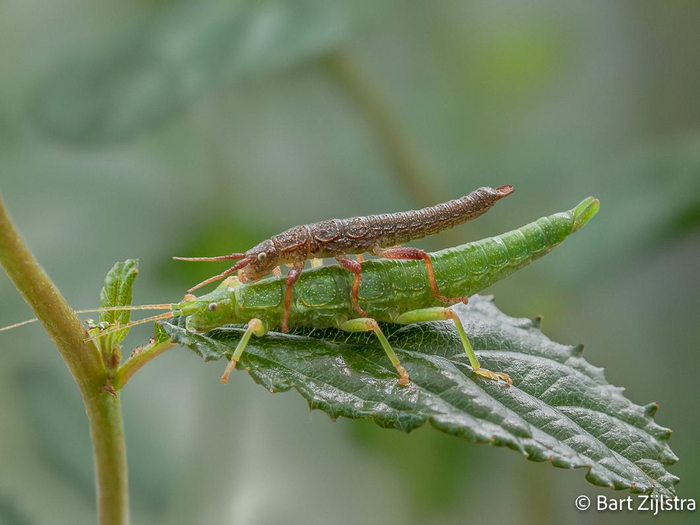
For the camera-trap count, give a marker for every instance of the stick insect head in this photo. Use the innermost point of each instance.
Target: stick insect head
(263, 259)
(211, 310)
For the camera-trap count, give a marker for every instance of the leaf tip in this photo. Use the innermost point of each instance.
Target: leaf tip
(670, 458)
(577, 350)
(651, 409)
(666, 434)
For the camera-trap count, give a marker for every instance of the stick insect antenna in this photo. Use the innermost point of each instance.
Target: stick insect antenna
(95, 310)
(166, 315)
(233, 256)
(238, 266)
(163, 306)
(17, 325)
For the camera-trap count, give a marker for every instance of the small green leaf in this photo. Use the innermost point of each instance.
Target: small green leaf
(560, 408)
(116, 291)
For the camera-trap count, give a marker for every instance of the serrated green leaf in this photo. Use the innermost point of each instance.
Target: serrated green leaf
(186, 50)
(116, 291)
(560, 408)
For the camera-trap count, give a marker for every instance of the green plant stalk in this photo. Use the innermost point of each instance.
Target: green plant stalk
(137, 360)
(85, 364)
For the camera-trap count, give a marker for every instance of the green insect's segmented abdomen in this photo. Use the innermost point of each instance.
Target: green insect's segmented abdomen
(390, 287)
(475, 266)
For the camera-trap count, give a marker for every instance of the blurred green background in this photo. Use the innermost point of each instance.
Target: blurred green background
(156, 128)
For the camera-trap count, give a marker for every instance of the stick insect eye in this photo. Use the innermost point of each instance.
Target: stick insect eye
(262, 256)
(212, 307)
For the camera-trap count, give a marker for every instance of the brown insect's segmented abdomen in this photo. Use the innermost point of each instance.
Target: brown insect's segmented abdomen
(402, 227)
(363, 234)
(336, 236)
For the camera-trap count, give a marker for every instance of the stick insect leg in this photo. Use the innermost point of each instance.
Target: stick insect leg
(405, 252)
(442, 314)
(255, 326)
(292, 277)
(365, 324)
(356, 268)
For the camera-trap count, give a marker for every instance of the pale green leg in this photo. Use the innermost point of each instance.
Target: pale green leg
(255, 326)
(365, 324)
(442, 314)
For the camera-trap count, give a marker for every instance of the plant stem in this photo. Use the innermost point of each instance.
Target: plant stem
(137, 360)
(85, 364)
(108, 446)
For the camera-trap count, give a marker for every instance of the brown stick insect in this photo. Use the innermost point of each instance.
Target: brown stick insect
(380, 235)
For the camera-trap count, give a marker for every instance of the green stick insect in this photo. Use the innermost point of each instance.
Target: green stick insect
(391, 291)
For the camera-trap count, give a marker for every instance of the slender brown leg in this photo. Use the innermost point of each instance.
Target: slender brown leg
(405, 252)
(292, 277)
(356, 268)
